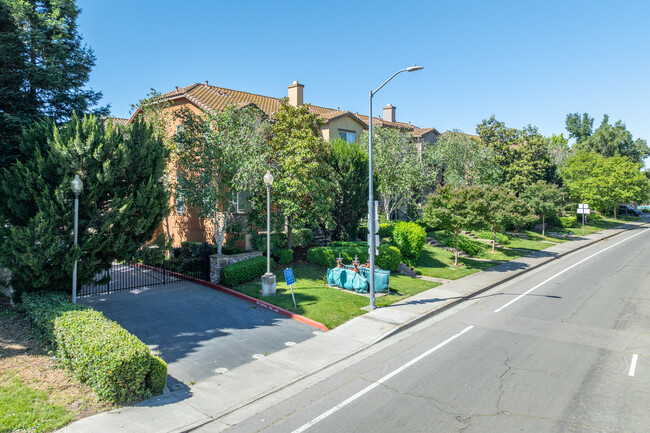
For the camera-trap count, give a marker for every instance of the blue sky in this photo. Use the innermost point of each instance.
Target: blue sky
(525, 62)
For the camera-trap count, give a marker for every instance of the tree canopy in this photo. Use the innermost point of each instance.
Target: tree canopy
(219, 155)
(44, 68)
(455, 209)
(607, 140)
(545, 199)
(122, 203)
(604, 182)
(522, 154)
(465, 160)
(401, 173)
(297, 156)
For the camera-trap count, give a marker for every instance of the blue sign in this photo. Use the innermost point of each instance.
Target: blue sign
(288, 275)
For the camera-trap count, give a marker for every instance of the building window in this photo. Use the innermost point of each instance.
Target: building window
(346, 135)
(240, 201)
(180, 197)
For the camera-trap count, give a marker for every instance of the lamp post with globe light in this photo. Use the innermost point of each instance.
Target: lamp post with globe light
(268, 279)
(76, 185)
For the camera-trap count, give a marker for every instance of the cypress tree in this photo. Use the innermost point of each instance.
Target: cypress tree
(122, 203)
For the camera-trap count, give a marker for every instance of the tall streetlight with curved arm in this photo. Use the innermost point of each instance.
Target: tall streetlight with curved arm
(371, 196)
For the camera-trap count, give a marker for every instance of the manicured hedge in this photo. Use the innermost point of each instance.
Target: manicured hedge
(389, 257)
(409, 238)
(244, 271)
(115, 363)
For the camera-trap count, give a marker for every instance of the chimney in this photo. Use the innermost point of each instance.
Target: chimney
(176, 88)
(206, 82)
(389, 113)
(295, 94)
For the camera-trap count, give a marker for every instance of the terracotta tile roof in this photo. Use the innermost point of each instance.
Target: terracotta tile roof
(209, 97)
(118, 120)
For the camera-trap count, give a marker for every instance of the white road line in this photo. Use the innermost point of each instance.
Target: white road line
(633, 365)
(563, 271)
(379, 382)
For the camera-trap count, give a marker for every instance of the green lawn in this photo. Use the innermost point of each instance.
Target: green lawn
(323, 304)
(438, 263)
(26, 409)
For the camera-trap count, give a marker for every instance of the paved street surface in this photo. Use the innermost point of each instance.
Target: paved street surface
(197, 330)
(546, 342)
(572, 355)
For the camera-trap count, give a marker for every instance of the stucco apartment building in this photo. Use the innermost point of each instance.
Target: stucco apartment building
(201, 97)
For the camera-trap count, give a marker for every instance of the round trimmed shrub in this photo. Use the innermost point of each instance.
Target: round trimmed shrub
(409, 238)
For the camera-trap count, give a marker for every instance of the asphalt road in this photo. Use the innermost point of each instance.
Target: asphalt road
(571, 355)
(199, 331)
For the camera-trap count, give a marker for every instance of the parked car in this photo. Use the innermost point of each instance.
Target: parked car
(628, 210)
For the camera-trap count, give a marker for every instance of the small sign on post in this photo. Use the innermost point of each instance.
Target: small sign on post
(288, 276)
(583, 208)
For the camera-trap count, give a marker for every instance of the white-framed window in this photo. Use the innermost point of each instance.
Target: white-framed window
(347, 135)
(240, 201)
(180, 197)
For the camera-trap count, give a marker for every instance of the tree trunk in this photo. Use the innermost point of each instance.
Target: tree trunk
(494, 239)
(543, 226)
(289, 233)
(218, 234)
(456, 249)
(615, 216)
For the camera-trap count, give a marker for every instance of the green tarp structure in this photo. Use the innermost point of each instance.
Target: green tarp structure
(348, 279)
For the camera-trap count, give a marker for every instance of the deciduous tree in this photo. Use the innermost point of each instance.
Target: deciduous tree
(545, 199)
(400, 172)
(465, 160)
(455, 209)
(349, 170)
(604, 182)
(219, 154)
(503, 209)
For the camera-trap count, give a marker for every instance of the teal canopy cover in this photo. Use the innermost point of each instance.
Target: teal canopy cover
(347, 279)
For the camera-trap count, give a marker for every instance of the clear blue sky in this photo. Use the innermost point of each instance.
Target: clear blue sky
(525, 62)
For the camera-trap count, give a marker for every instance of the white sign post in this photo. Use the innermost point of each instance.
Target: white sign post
(583, 208)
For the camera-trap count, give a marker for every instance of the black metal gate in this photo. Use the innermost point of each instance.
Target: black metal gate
(148, 273)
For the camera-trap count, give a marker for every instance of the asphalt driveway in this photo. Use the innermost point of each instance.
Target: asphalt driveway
(199, 331)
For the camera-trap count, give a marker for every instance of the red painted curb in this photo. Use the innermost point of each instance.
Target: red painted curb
(240, 295)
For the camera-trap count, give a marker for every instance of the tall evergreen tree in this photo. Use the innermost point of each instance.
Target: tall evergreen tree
(349, 164)
(43, 68)
(122, 203)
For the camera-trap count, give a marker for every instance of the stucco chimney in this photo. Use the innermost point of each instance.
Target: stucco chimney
(295, 94)
(389, 113)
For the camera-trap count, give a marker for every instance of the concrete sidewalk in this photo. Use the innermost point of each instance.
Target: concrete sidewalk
(213, 398)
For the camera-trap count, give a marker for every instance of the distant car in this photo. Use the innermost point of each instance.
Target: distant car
(628, 210)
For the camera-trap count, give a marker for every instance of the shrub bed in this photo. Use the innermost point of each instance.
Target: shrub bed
(302, 238)
(501, 238)
(278, 240)
(567, 222)
(115, 363)
(409, 238)
(284, 256)
(389, 256)
(245, 271)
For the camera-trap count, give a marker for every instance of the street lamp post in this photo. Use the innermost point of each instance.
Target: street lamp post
(77, 185)
(268, 279)
(372, 230)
